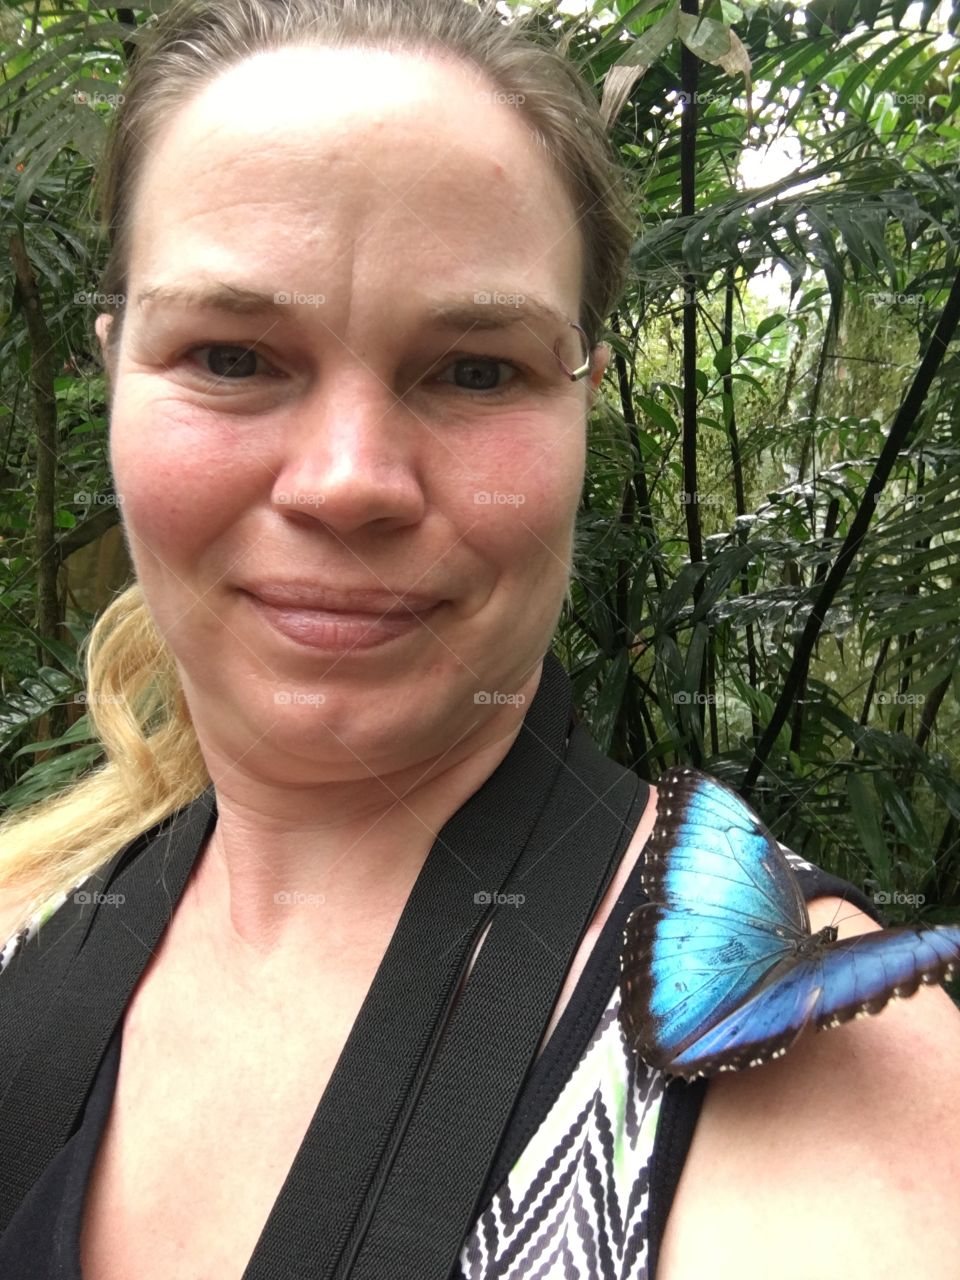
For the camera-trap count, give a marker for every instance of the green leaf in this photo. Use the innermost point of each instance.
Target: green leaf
(633, 15)
(904, 817)
(748, 377)
(864, 809)
(35, 696)
(657, 413)
(723, 568)
(895, 66)
(761, 704)
(769, 323)
(610, 699)
(51, 776)
(851, 81)
(676, 596)
(696, 650)
(647, 48)
(708, 39)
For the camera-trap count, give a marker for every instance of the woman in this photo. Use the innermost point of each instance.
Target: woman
(351, 551)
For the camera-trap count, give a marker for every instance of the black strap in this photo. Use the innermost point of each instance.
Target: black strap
(32, 979)
(80, 974)
(101, 950)
(429, 1196)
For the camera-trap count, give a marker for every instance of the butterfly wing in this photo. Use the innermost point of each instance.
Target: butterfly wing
(860, 975)
(725, 909)
(715, 851)
(763, 1027)
(846, 979)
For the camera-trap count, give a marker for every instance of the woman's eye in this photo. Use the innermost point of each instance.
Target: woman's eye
(235, 363)
(477, 375)
(481, 374)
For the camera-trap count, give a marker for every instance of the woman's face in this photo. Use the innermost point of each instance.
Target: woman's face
(362, 442)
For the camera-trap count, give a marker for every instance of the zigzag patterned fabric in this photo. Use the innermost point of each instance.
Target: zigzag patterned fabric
(574, 1206)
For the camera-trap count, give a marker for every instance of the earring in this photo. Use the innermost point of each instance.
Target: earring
(574, 374)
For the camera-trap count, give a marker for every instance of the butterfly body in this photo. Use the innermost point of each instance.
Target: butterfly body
(720, 970)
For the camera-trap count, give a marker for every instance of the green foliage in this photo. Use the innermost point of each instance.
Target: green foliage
(692, 591)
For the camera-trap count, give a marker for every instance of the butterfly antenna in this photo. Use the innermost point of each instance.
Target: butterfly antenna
(839, 920)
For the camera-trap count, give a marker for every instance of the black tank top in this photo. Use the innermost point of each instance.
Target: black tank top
(42, 1239)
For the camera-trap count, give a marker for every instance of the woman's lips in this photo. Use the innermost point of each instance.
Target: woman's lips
(337, 630)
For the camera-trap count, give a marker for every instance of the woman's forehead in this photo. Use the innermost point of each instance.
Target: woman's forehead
(329, 102)
(342, 186)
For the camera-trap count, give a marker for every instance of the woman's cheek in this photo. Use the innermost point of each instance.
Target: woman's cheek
(526, 530)
(177, 478)
(530, 471)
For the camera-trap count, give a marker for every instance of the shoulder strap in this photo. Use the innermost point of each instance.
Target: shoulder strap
(70, 998)
(35, 979)
(429, 1185)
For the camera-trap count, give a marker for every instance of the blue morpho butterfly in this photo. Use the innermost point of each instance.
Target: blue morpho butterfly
(719, 969)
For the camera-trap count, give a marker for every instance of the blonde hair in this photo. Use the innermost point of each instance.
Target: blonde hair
(135, 699)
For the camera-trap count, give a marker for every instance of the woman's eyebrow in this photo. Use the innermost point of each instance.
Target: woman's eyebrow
(482, 310)
(494, 314)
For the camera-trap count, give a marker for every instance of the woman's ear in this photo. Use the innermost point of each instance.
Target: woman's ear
(599, 359)
(102, 327)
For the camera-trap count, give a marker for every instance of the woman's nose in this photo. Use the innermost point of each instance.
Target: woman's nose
(355, 456)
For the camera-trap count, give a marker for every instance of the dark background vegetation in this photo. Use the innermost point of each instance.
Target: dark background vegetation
(767, 565)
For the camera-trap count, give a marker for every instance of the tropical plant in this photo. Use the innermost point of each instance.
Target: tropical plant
(766, 560)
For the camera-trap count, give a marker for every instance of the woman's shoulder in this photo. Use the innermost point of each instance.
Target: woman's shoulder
(854, 1132)
(22, 917)
(600, 1141)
